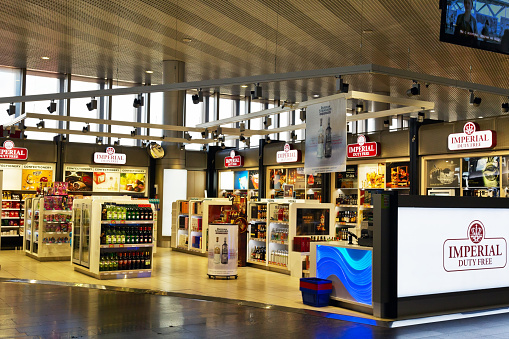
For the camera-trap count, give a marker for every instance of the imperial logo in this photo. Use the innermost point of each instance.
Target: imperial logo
(471, 138)
(288, 155)
(363, 148)
(233, 160)
(110, 157)
(476, 252)
(8, 151)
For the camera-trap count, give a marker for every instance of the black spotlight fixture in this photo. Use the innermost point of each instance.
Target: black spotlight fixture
(242, 137)
(200, 95)
(257, 93)
(303, 114)
(414, 90)
(267, 122)
(505, 107)
(341, 86)
(139, 101)
(475, 101)
(359, 107)
(116, 142)
(293, 136)
(386, 123)
(52, 107)
(420, 117)
(134, 133)
(92, 104)
(267, 139)
(187, 136)
(223, 146)
(99, 140)
(204, 134)
(182, 146)
(40, 124)
(12, 109)
(86, 129)
(195, 98)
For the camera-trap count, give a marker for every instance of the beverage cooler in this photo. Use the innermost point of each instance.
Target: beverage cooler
(113, 237)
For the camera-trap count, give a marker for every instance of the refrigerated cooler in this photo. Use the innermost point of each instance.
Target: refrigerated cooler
(81, 232)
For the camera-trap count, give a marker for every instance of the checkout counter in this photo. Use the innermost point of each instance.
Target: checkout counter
(430, 255)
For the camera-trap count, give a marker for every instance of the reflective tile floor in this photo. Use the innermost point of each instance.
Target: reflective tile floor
(53, 311)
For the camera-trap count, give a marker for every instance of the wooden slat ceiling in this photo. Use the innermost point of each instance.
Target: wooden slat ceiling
(124, 38)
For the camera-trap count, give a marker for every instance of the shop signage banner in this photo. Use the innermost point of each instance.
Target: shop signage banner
(8, 151)
(467, 250)
(233, 160)
(471, 138)
(288, 155)
(223, 249)
(444, 173)
(110, 157)
(363, 148)
(326, 137)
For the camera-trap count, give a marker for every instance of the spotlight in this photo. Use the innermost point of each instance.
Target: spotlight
(283, 105)
(86, 129)
(223, 146)
(247, 142)
(359, 107)
(134, 133)
(92, 104)
(52, 107)
(267, 139)
(116, 142)
(99, 140)
(257, 93)
(414, 90)
(143, 144)
(195, 98)
(221, 138)
(139, 101)
(303, 114)
(214, 136)
(293, 136)
(505, 107)
(200, 95)
(386, 123)
(341, 86)
(475, 101)
(204, 134)
(12, 109)
(187, 136)
(242, 137)
(40, 124)
(267, 122)
(182, 146)
(420, 117)
(242, 127)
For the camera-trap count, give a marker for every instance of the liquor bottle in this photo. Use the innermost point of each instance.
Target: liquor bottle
(119, 235)
(136, 213)
(217, 252)
(104, 212)
(147, 260)
(328, 141)
(150, 213)
(137, 260)
(120, 262)
(113, 236)
(136, 236)
(103, 235)
(129, 265)
(319, 149)
(150, 235)
(224, 253)
(106, 263)
(124, 212)
(101, 264)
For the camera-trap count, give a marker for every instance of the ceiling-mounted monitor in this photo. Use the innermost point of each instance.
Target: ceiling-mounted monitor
(482, 24)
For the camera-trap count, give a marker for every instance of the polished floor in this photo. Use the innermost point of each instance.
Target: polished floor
(181, 302)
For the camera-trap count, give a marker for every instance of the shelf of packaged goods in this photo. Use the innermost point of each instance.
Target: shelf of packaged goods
(182, 229)
(366, 206)
(314, 188)
(11, 218)
(182, 247)
(256, 261)
(7, 226)
(347, 188)
(347, 206)
(258, 220)
(10, 209)
(192, 249)
(280, 242)
(126, 222)
(66, 233)
(126, 272)
(196, 231)
(58, 211)
(57, 222)
(126, 245)
(258, 239)
(183, 215)
(279, 222)
(277, 265)
(11, 200)
(10, 235)
(55, 243)
(196, 216)
(346, 224)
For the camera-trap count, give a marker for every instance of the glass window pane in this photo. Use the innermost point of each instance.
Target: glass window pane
(10, 80)
(301, 133)
(123, 110)
(156, 113)
(284, 120)
(193, 117)
(256, 124)
(226, 111)
(79, 108)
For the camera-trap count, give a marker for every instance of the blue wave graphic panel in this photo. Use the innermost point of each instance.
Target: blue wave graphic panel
(350, 271)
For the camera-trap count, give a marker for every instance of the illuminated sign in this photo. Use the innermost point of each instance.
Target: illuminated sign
(8, 151)
(110, 157)
(363, 148)
(233, 160)
(471, 138)
(288, 155)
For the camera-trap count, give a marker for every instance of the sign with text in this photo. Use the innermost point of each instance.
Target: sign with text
(468, 250)
(8, 151)
(288, 155)
(110, 157)
(471, 138)
(326, 137)
(233, 160)
(363, 148)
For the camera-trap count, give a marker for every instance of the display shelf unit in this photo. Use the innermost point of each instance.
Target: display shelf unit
(47, 231)
(180, 223)
(257, 232)
(116, 247)
(12, 223)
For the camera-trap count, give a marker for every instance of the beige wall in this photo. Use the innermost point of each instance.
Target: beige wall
(195, 184)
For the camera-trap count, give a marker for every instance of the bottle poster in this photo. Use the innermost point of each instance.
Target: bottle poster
(397, 175)
(372, 175)
(222, 250)
(481, 172)
(106, 180)
(326, 137)
(443, 173)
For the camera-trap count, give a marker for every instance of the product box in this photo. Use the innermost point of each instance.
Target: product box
(301, 244)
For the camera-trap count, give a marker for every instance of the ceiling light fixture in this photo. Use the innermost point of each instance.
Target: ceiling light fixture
(316, 95)
(386, 123)
(92, 104)
(243, 86)
(267, 139)
(420, 116)
(187, 40)
(474, 101)
(293, 136)
(303, 114)
(267, 122)
(223, 146)
(505, 107)
(134, 133)
(187, 136)
(99, 140)
(205, 133)
(86, 129)
(242, 137)
(52, 107)
(257, 93)
(45, 57)
(414, 90)
(40, 124)
(139, 101)
(12, 109)
(195, 98)
(149, 72)
(116, 142)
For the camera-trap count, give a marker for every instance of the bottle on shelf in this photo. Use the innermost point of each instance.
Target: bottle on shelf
(320, 144)
(328, 141)
(224, 253)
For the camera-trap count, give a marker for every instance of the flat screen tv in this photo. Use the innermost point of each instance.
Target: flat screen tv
(482, 24)
(313, 221)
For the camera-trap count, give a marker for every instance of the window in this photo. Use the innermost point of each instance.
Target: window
(194, 114)
(256, 124)
(41, 84)
(156, 113)
(226, 111)
(78, 108)
(123, 110)
(284, 120)
(10, 82)
(301, 133)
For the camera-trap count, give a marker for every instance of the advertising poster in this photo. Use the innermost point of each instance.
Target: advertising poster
(133, 180)
(12, 176)
(481, 172)
(347, 179)
(253, 180)
(277, 179)
(444, 173)
(223, 252)
(372, 175)
(313, 221)
(80, 179)
(288, 189)
(241, 180)
(297, 177)
(32, 175)
(397, 175)
(326, 137)
(505, 174)
(106, 180)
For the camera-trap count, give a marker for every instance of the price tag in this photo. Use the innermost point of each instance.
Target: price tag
(122, 221)
(113, 222)
(121, 245)
(111, 246)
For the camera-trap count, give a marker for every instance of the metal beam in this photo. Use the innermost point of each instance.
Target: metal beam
(382, 114)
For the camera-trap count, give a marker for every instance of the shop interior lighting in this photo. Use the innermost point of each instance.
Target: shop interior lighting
(116, 142)
(341, 86)
(242, 137)
(414, 90)
(12, 109)
(386, 123)
(40, 124)
(505, 107)
(316, 95)
(359, 108)
(134, 133)
(242, 127)
(267, 122)
(293, 136)
(139, 101)
(86, 129)
(99, 140)
(247, 142)
(149, 72)
(474, 101)
(420, 116)
(182, 146)
(92, 104)
(187, 136)
(195, 98)
(52, 107)
(267, 139)
(204, 134)
(243, 86)
(223, 146)
(257, 93)
(303, 114)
